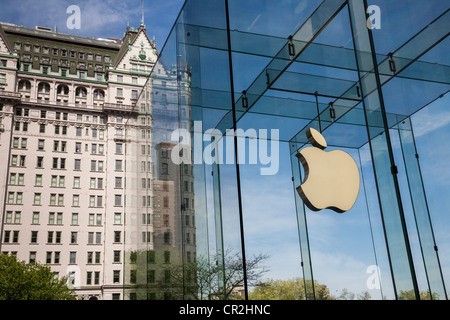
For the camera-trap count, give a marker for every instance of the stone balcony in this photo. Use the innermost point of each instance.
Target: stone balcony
(14, 97)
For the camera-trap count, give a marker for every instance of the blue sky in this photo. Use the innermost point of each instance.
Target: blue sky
(99, 19)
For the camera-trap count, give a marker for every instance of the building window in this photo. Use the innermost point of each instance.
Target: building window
(116, 276)
(8, 218)
(118, 183)
(37, 199)
(76, 200)
(63, 90)
(24, 85)
(117, 218)
(58, 237)
(74, 219)
(88, 278)
(17, 217)
(99, 94)
(73, 237)
(81, 92)
(18, 197)
(34, 236)
(73, 258)
(76, 182)
(118, 200)
(43, 87)
(48, 259)
(56, 257)
(22, 161)
(12, 179)
(119, 148)
(93, 165)
(41, 144)
(116, 257)
(55, 163)
(36, 217)
(117, 236)
(164, 168)
(77, 165)
(32, 257)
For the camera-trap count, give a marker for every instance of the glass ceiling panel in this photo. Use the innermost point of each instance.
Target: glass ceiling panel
(407, 96)
(306, 83)
(275, 18)
(314, 53)
(401, 20)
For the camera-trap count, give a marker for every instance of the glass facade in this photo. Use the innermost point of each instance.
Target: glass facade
(212, 210)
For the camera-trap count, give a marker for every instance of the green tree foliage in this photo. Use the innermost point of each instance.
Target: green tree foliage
(22, 281)
(424, 295)
(293, 289)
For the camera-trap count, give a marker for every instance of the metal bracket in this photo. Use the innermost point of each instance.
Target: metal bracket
(394, 170)
(391, 63)
(291, 47)
(244, 100)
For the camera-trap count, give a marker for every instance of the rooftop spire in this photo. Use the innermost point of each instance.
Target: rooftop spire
(142, 21)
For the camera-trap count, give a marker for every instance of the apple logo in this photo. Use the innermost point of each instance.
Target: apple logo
(331, 178)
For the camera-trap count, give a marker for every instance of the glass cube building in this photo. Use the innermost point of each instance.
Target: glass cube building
(212, 205)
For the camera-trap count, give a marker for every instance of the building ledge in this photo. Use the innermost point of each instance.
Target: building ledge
(10, 96)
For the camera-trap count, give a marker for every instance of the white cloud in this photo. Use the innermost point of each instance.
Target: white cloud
(430, 121)
(338, 271)
(107, 18)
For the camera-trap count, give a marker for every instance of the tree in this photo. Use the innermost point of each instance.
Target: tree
(230, 275)
(207, 278)
(364, 296)
(204, 277)
(22, 281)
(423, 295)
(293, 289)
(346, 295)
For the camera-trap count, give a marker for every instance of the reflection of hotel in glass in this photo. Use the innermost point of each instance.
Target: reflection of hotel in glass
(194, 231)
(295, 66)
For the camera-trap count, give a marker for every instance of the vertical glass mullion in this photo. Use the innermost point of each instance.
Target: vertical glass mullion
(220, 258)
(236, 154)
(302, 231)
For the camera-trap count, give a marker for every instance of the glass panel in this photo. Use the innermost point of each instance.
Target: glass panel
(392, 211)
(191, 225)
(421, 212)
(430, 127)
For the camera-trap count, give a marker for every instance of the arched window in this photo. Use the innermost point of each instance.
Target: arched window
(81, 92)
(99, 94)
(24, 85)
(63, 90)
(44, 87)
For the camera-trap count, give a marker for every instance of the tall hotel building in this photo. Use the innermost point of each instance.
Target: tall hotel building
(64, 101)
